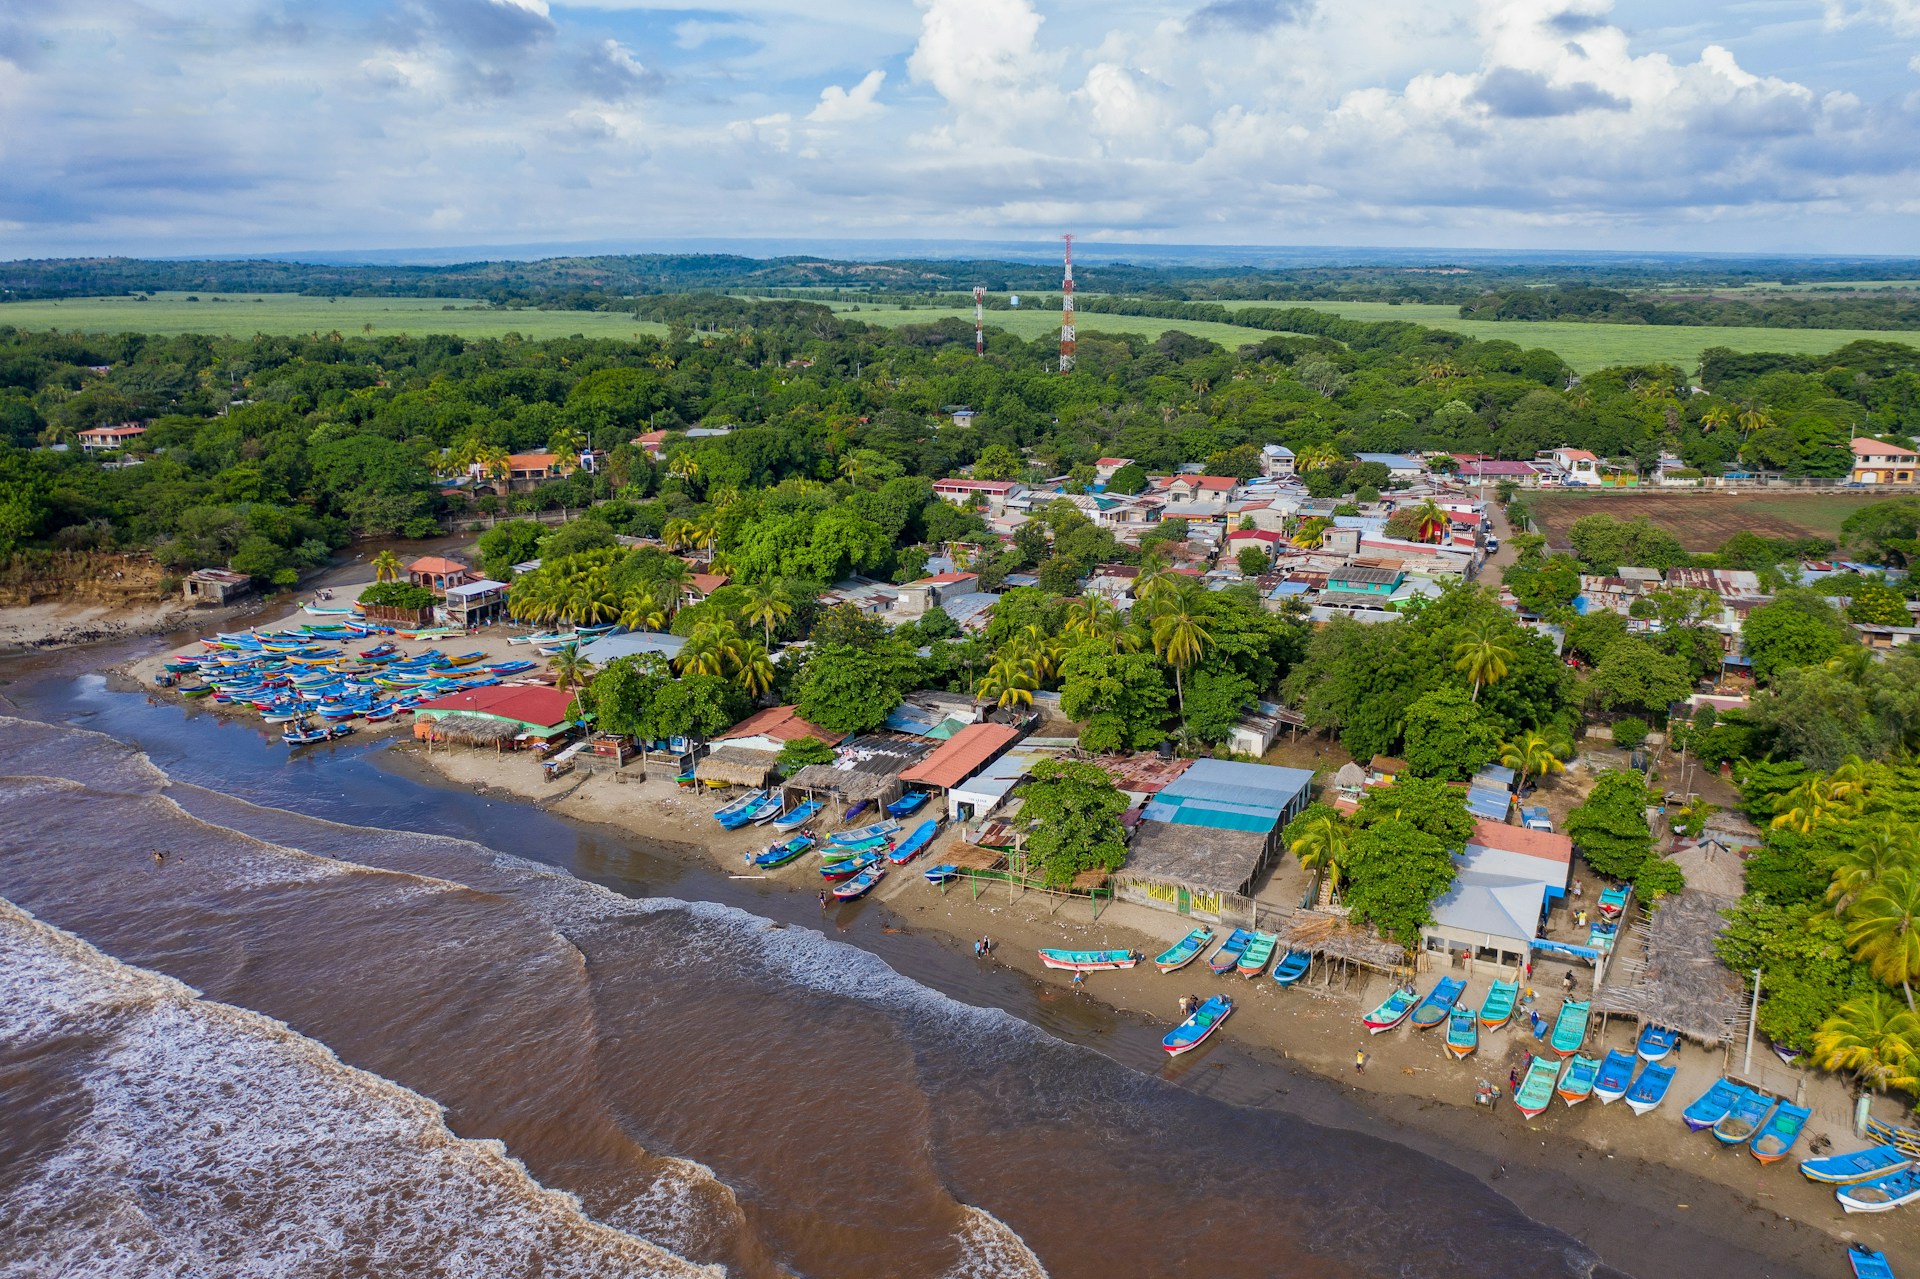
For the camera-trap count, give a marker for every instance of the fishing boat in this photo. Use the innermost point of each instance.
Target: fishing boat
(1536, 1090)
(908, 804)
(879, 830)
(1613, 902)
(382, 713)
(795, 818)
(1088, 961)
(833, 872)
(1711, 1106)
(1615, 1077)
(734, 815)
(766, 810)
(1193, 1032)
(386, 648)
(1650, 1089)
(1392, 1012)
(862, 884)
(1184, 951)
(1656, 1042)
(298, 736)
(1253, 960)
(1496, 1010)
(941, 874)
(1228, 952)
(1743, 1118)
(1433, 1010)
(1882, 1194)
(783, 852)
(197, 690)
(1857, 1165)
(1776, 1137)
(1463, 1032)
(1576, 1082)
(911, 847)
(1569, 1027)
(1292, 967)
(507, 668)
(1868, 1264)
(1903, 1139)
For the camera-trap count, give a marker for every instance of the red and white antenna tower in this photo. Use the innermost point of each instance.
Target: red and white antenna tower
(1066, 313)
(979, 320)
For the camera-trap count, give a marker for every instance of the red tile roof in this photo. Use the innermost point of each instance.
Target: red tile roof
(782, 723)
(707, 583)
(1544, 844)
(528, 703)
(1861, 444)
(946, 579)
(436, 564)
(956, 759)
(1215, 481)
(1253, 535)
(530, 461)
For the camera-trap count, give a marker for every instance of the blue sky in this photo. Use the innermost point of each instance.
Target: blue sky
(159, 126)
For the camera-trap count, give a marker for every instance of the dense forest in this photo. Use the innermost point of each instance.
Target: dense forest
(1827, 310)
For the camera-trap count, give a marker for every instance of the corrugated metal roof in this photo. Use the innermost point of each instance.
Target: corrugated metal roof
(1261, 786)
(1488, 802)
(1495, 905)
(1183, 810)
(962, 754)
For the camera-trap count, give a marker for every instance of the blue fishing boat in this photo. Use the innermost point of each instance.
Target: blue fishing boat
(908, 804)
(941, 874)
(1656, 1042)
(1712, 1105)
(1228, 952)
(734, 815)
(1391, 1012)
(783, 852)
(1743, 1119)
(1882, 1194)
(1776, 1137)
(1496, 1010)
(1292, 967)
(1615, 1077)
(833, 872)
(1868, 1264)
(1463, 1032)
(1193, 1032)
(877, 830)
(507, 668)
(909, 848)
(1650, 1089)
(1433, 1010)
(298, 736)
(1570, 1027)
(795, 818)
(1535, 1093)
(1576, 1082)
(1088, 961)
(1613, 902)
(1855, 1165)
(1184, 951)
(862, 884)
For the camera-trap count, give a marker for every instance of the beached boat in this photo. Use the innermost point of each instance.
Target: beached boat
(1855, 1165)
(381, 713)
(835, 852)
(833, 872)
(941, 874)
(1089, 961)
(914, 844)
(1881, 1194)
(908, 804)
(795, 818)
(783, 852)
(1463, 1032)
(1228, 952)
(1193, 1032)
(1576, 1082)
(1615, 1077)
(1711, 1106)
(862, 884)
(1613, 902)
(1868, 1264)
(877, 830)
(1496, 1010)
(1183, 952)
(1656, 1042)
(734, 815)
(1743, 1118)
(1433, 1010)
(1536, 1090)
(295, 736)
(1391, 1012)
(507, 668)
(1903, 1139)
(198, 690)
(1776, 1137)
(1292, 967)
(1253, 960)
(1570, 1027)
(1648, 1091)
(767, 809)
(386, 648)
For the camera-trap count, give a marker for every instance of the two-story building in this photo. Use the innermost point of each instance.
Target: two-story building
(1874, 462)
(1574, 466)
(1103, 469)
(104, 438)
(991, 494)
(439, 574)
(1203, 495)
(1276, 461)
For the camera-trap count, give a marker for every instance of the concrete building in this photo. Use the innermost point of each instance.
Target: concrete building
(104, 438)
(437, 574)
(611, 648)
(1208, 835)
(214, 586)
(1276, 461)
(480, 603)
(1400, 466)
(1874, 462)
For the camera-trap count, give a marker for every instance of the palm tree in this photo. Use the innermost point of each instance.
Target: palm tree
(1041, 652)
(566, 444)
(1715, 418)
(1484, 655)
(1153, 580)
(1884, 842)
(680, 534)
(497, 462)
(1324, 843)
(1810, 804)
(1532, 755)
(1092, 616)
(1008, 682)
(1433, 520)
(1875, 1039)
(387, 567)
(1315, 456)
(639, 611)
(683, 467)
(753, 669)
(766, 608)
(570, 669)
(1883, 928)
(671, 579)
(1179, 637)
(1754, 417)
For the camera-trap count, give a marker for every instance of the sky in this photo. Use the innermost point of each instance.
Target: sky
(150, 127)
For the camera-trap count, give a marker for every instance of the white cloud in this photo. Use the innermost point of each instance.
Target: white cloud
(838, 105)
(1902, 15)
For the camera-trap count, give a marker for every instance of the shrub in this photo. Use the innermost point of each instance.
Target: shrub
(1629, 732)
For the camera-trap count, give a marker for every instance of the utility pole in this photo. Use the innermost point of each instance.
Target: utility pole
(1753, 1015)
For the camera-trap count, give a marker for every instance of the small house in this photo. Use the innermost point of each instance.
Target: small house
(480, 603)
(214, 586)
(1874, 462)
(437, 573)
(104, 438)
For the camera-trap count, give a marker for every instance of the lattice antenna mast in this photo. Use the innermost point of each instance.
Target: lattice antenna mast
(1066, 313)
(979, 320)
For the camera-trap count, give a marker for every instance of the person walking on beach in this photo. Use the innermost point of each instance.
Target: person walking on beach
(1513, 1080)
(1567, 981)
(823, 901)
(1360, 1061)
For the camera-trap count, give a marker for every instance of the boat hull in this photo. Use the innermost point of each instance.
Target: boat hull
(1855, 1166)
(1184, 951)
(1088, 961)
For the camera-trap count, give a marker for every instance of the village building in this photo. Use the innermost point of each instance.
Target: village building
(917, 598)
(611, 648)
(1400, 466)
(992, 495)
(1195, 495)
(214, 586)
(1875, 462)
(699, 586)
(101, 439)
(502, 715)
(1276, 461)
(1507, 877)
(437, 573)
(1492, 470)
(973, 769)
(865, 769)
(748, 753)
(933, 714)
(1572, 466)
(1104, 468)
(472, 604)
(1207, 835)
(528, 469)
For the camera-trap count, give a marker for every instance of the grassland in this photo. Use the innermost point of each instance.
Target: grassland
(1703, 521)
(244, 314)
(1042, 324)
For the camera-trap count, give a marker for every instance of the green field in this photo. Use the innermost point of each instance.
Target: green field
(1594, 346)
(244, 314)
(1043, 324)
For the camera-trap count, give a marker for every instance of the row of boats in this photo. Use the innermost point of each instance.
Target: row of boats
(769, 807)
(852, 861)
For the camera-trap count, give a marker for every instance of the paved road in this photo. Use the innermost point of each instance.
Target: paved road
(1495, 570)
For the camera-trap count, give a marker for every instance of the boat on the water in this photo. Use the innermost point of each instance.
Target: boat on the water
(1650, 1089)
(916, 841)
(1613, 902)
(1868, 1264)
(1570, 1027)
(1292, 967)
(1743, 1119)
(862, 884)
(1776, 1137)
(1855, 1165)
(1228, 952)
(1463, 1032)
(1184, 951)
(1088, 961)
(795, 818)
(1496, 1010)
(1391, 1012)
(1656, 1042)
(1433, 1010)
(1576, 1082)
(1882, 1194)
(1536, 1090)
(1253, 960)
(908, 804)
(1615, 1077)
(783, 852)
(1711, 1106)
(1193, 1032)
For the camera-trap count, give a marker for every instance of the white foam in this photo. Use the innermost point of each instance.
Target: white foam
(989, 1249)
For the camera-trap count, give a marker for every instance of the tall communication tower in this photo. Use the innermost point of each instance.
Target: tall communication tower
(1066, 313)
(979, 320)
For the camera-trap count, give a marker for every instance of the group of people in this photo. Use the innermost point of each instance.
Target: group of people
(983, 949)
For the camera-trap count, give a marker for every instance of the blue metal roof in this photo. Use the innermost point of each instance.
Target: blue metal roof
(1494, 775)
(1288, 588)
(1489, 803)
(1393, 461)
(1183, 810)
(1257, 787)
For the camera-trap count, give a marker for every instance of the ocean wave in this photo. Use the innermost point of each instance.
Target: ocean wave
(216, 1140)
(989, 1249)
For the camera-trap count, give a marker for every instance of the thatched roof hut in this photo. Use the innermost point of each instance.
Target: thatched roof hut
(1350, 777)
(1333, 936)
(1676, 981)
(737, 765)
(851, 785)
(471, 730)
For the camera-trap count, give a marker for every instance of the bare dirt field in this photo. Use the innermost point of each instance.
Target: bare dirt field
(1705, 520)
